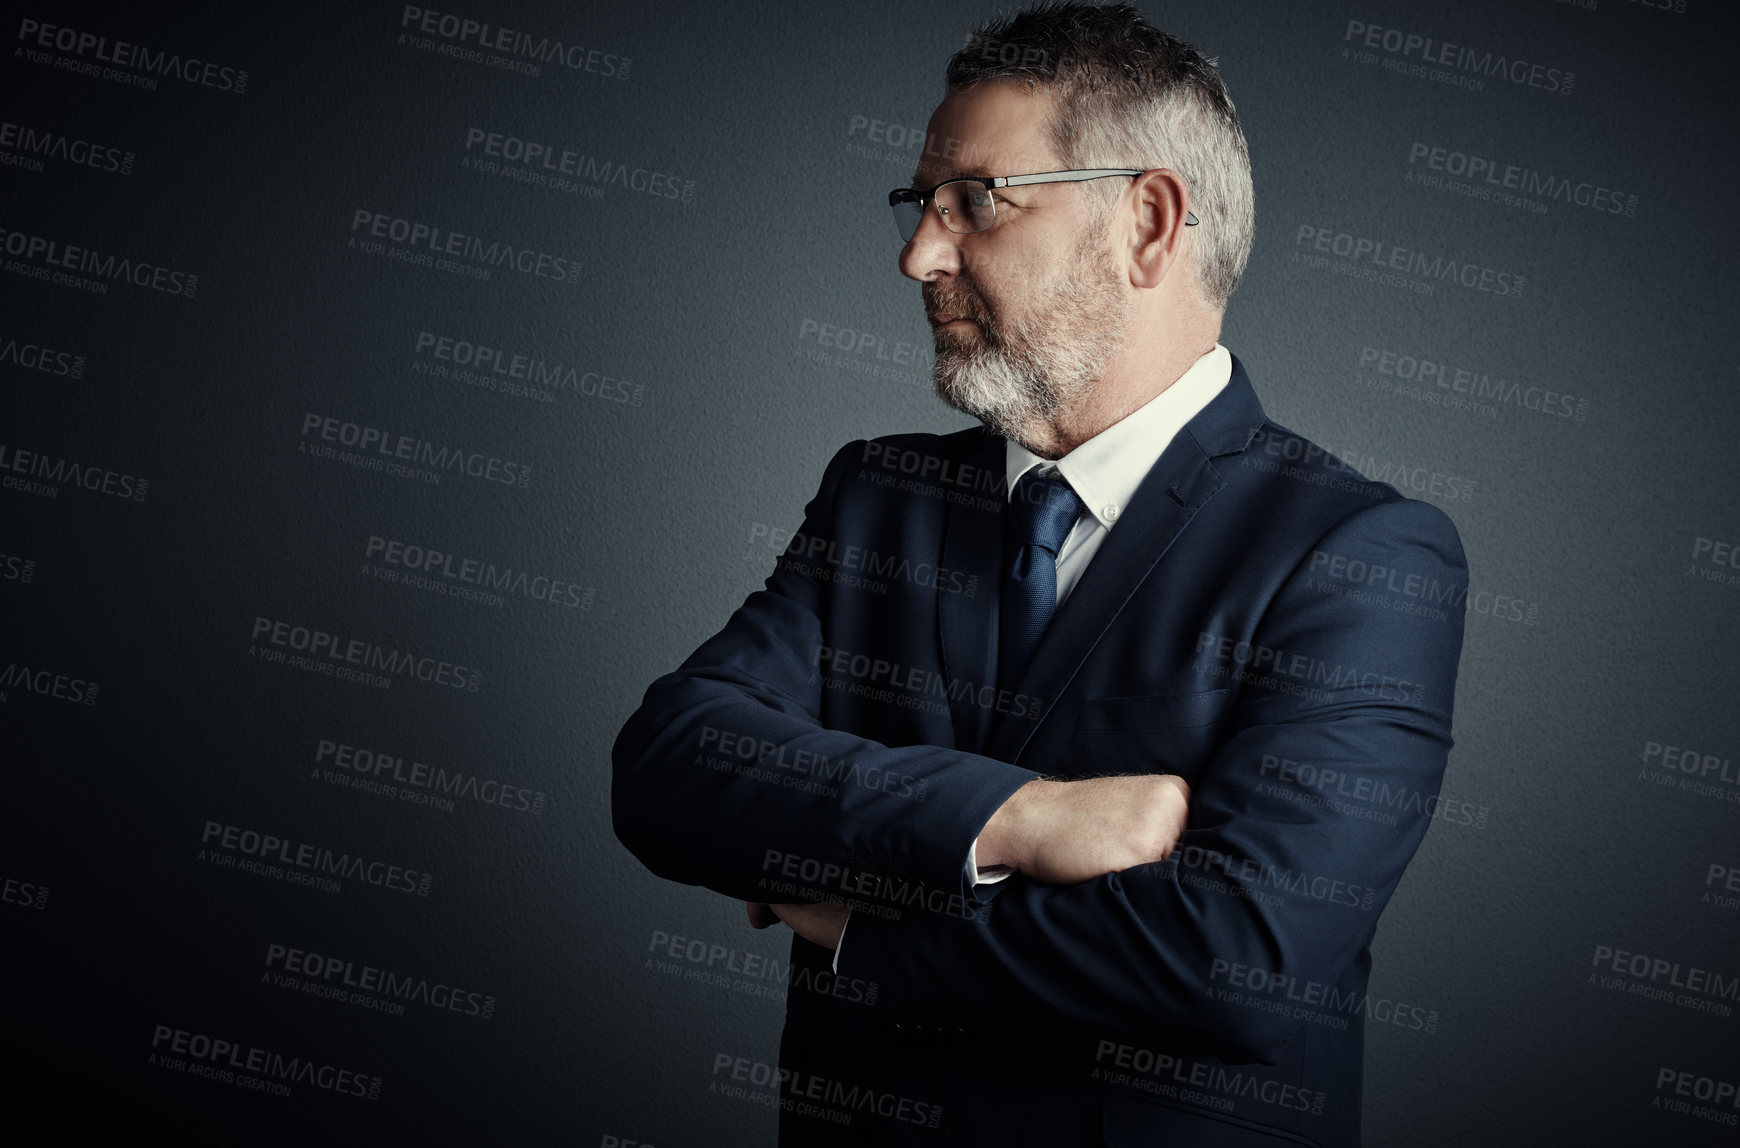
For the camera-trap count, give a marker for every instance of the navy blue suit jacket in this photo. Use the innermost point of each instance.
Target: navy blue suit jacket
(1262, 621)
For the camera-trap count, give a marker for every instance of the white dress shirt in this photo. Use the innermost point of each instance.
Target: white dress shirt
(1104, 472)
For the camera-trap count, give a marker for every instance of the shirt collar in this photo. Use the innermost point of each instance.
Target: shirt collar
(1105, 470)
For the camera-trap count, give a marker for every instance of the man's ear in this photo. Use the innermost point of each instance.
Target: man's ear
(1157, 235)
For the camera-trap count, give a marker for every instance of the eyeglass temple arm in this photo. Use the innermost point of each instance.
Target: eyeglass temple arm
(1062, 176)
(1190, 219)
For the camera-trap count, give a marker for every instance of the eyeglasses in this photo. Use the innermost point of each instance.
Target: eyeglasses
(967, 205)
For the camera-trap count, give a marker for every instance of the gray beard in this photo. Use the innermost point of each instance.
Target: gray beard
(1043, 364)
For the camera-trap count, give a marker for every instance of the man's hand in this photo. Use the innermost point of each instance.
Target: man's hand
(1066, 832)
(818, 924)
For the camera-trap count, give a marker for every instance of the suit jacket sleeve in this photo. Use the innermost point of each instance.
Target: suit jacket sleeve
(1264, 876)
(707, 781)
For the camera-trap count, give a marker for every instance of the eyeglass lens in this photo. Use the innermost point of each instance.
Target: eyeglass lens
(965, 207)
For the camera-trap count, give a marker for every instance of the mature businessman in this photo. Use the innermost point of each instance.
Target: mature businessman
(1080, 749)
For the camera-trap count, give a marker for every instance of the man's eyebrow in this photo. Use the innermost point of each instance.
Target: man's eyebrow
(945, 176)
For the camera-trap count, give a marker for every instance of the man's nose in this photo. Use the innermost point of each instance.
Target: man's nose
(933, 251)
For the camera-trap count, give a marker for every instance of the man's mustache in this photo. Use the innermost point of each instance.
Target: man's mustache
(956, 301)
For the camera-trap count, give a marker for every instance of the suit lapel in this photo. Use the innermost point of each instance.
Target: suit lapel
(1180, 483)
(973, 545)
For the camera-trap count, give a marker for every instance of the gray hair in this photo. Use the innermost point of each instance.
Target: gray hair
(1128, 95)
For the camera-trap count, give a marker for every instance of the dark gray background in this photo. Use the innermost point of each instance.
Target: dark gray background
(713, 308)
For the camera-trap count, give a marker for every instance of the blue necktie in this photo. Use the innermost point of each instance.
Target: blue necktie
(1041, 514)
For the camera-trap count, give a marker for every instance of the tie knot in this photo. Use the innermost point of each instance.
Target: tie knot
(1045, 508)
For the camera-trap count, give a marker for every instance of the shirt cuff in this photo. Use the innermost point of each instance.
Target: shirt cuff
(987, 876)
(841, 941)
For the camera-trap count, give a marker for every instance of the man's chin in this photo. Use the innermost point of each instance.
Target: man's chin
(996, 418)
(951, 392)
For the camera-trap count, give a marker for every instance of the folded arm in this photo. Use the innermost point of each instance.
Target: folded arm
(1270, 873)
(707, 773)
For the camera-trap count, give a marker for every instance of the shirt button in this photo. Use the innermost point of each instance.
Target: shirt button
(1110, 510)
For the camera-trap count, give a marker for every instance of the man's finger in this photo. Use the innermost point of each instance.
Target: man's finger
(761, 914)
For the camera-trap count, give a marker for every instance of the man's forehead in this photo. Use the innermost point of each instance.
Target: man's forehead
(988, 129)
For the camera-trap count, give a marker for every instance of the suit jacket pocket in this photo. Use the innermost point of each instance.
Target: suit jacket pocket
(1153, 711)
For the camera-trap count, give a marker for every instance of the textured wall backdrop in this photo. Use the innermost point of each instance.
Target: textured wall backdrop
(385, 402)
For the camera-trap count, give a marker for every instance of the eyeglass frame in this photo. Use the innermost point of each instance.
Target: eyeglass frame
(993, 182)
